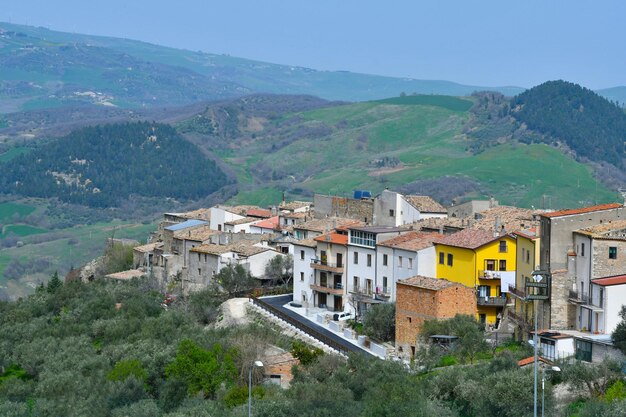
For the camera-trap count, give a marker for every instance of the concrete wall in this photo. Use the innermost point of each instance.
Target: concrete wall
(387, 209)
(329, 206)
(219, 216)
(615, 296)
(360, 269)
(603, 266)
(427, 262)
(470, 208)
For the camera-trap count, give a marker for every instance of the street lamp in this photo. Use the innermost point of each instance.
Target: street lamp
(537, 277)
(543, 392)
(257, 364)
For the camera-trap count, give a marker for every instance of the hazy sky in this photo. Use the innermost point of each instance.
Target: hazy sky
(478, 42)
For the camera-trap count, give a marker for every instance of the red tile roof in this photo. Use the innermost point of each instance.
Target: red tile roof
(336, 238)
(434, 284)
(614, 280)
(468, 238)
(257, 212)
(271, 223)
(571, 212)
(412, 241)
(528, 361)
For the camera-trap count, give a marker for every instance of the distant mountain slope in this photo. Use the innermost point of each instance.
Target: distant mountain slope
(104, 165)
(413, 142)
(617, 94)
(85, 62)
(589, 124)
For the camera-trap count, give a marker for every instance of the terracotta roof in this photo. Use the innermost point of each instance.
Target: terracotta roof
(148, 248)
(428, 283)
(530, 233)
(245, 220)
(310, 243)
(263, 213)
(442, 222)
(613, 230)
(294, 205)
(425, 204)
(528, 361)
(298, 215)
(242, 248)
(286, 357)
(126, 275)
(412, 241)
(240, 210)
(571, 212)
(200, 214)
(199, 234)
(468, 238)
(271, 223)
(336, 238)
(614, 280)
(509, 218)
(327, 224)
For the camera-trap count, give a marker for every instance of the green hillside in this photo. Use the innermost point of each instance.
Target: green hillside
(392, 144)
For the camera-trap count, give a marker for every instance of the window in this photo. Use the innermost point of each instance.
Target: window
(450, 259)
(409, 319)
(583, 350)
(369, 259)
(547, 347)
(442, 258)
(356, 258)
(503, 247)
(385, 285)
(502, 265)
(582, 250)
(399, 261)
(199, 271)
(385, 260)
(355, 282)
(410, 263)
(490, 264)
(302, 255)
(612, 252)
(362, 238)
(391, 213)
(527, 256)
(301, 276)
(219, 227)
(198, 257)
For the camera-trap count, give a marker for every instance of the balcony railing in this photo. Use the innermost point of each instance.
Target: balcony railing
(488, 274)
(517, 292)
(491, 301)
(329, 288)
(365, 291)
(326, 266)
(584, 299)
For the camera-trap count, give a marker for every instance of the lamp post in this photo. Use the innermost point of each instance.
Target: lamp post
(537, 277)
(543, 391)
(257, 364)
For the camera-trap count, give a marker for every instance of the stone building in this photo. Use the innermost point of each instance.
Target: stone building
(422, 298)
(557, 252)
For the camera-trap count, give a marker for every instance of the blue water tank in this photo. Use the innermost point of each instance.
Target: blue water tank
(361, 194)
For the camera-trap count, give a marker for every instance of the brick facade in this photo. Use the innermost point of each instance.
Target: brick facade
(420, 300)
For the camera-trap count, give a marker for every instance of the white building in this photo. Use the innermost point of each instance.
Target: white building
(395, 209)
(404, 256)
(303, 276)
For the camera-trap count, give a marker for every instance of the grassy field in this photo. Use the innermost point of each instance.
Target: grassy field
(20, 230)
(10, 209)
(13, 152)
(425, 134)
(78, 245)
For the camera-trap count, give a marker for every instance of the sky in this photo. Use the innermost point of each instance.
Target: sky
(475, 42)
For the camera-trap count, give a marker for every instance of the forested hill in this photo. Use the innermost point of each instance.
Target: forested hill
(592, 126)
(103, 165)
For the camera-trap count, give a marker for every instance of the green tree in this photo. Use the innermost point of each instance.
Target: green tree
(379, 322)
(304, 353)
(619, 334)
(470, 333)
(280, 269)
(235, 279)
(127, 368)
(54, 283)
(202, 370)
(117, 257)
(595, 378)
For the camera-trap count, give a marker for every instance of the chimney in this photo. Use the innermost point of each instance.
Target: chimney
(497, 227)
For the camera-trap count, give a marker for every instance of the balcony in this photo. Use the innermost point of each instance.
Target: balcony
(585, 299)
(383, 294)
(362, 291)
(336, 289)
(488, 274)
(517, 292)
(322, 265)
(491, 301)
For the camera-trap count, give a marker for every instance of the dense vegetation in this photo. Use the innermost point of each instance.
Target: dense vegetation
(590, 125)
(111, 349)
(102, 166)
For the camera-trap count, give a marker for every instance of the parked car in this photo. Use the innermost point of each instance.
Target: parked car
(342, 316)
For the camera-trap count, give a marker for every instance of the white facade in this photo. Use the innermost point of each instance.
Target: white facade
(303, 274)
(391, 209)
(219, 216)
(240, 227)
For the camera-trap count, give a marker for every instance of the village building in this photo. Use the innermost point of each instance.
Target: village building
(424, 298)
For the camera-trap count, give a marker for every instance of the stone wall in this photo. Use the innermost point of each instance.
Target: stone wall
(414, 305)
(602, 265)
(349, 208)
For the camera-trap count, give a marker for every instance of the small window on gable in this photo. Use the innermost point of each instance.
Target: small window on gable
(450, 259)
(612, 252)
(392, 213)
(301, 254)
(442, 258)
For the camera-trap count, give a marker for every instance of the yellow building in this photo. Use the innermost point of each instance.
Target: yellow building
(527, 263)
(477, 258)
